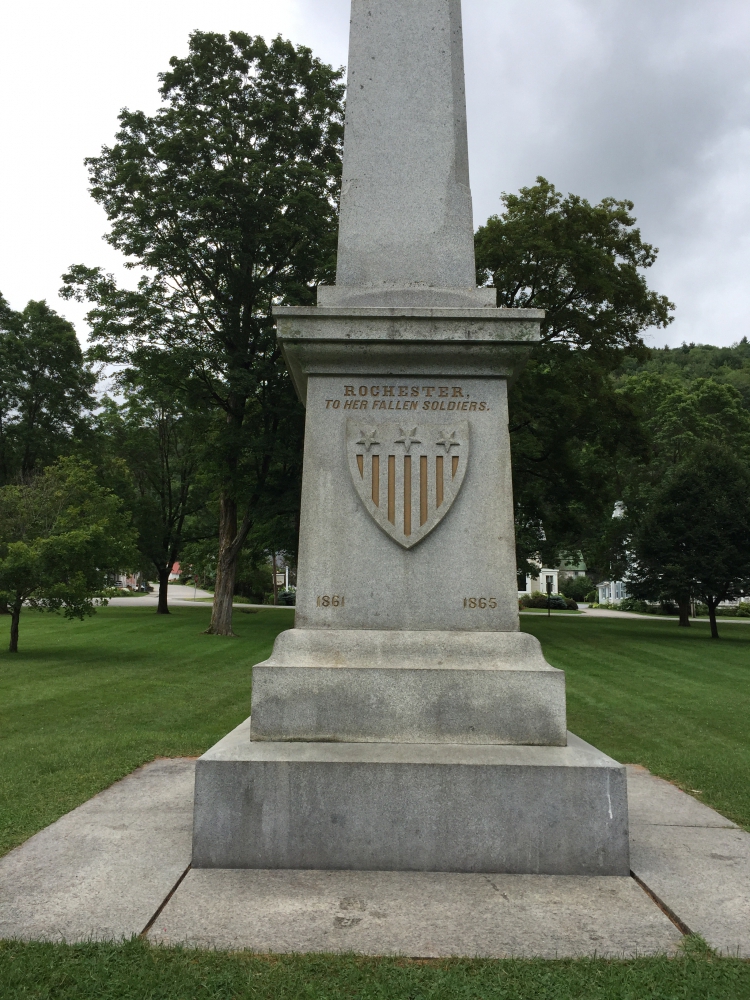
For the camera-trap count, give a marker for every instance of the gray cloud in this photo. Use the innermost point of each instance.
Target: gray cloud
(639, 99)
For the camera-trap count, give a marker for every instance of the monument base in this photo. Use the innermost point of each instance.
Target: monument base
(410, 807)
(398, 686)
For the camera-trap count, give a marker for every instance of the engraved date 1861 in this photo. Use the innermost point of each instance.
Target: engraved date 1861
(480, 602)
(330, 601)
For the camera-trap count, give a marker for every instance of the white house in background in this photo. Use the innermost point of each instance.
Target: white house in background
(539, 582)
(557, 576)
(611, 591)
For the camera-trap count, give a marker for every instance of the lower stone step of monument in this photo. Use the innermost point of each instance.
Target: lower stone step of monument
(410, 807)
(400, 686)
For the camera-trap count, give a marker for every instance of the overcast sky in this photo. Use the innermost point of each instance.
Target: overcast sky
(641, 99)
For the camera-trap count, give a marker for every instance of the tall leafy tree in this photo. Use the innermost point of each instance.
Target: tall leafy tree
(584, 265)
(227, 198)
(679, 415)
(693, 537)
(161, 446)
(46, 388)
(61, 534)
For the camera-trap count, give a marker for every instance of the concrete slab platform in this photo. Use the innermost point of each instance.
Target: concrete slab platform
(657, 802)
(107, 869)
(693, 859)
(418, 914)
(101, 871)
(703, 875)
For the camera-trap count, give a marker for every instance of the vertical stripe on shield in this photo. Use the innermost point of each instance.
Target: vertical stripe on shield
(392, 489)
(422, 489)
(407, 495)
(376, 480)
(438, 480)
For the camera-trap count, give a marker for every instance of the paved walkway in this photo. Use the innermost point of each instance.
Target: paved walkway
(119, 865)
(611, 613)
(179, 596)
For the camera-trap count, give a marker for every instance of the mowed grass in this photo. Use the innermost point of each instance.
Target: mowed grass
(84, 703)
(670, 698)
(135, 971)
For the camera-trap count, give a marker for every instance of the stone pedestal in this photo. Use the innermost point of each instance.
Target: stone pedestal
(410, 807)
(406, 722)
(369, 686)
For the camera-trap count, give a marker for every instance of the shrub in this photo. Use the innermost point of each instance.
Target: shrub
(636, 606)
(577, 587)
(539, 600)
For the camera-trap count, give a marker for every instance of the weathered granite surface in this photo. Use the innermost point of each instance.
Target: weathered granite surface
(380, 756)
(373, 685)
(405, 202)
(345, 553)
(410, 807)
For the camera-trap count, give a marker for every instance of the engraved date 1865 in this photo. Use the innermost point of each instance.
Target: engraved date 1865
(480, 602)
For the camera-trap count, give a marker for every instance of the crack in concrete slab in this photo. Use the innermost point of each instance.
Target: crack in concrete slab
(164, 902)
(681, 926)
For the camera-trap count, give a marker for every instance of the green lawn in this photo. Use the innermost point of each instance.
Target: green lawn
(551, 611)
(137, 972)
(84, 703)
(649, 692)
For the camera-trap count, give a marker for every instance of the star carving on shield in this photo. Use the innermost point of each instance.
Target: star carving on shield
(407, 439)
(369, 438)
(448, 441)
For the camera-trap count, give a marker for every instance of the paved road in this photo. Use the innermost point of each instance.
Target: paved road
(179, 596)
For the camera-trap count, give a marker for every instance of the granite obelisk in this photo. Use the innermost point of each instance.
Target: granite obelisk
(406, 722)
(406, 219)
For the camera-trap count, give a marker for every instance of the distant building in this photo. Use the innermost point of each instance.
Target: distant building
(611, 591)
(544, 574)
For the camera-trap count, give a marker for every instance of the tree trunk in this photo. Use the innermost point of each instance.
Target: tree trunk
(275, 584)
(226, 567)
(712, 602)
(684, 606)
(162, 608)
(16, 614)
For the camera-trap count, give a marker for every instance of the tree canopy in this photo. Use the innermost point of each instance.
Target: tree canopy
(584, 265)
(46, 388)
(61, 535)
(227, 197)
(693, 538)
(160, 448)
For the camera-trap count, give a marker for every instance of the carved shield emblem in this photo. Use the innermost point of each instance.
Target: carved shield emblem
(407, 474)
